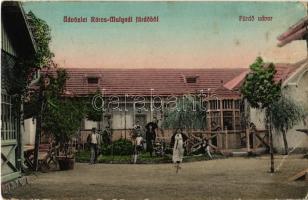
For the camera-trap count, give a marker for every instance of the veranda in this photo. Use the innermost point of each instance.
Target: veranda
(227, 127)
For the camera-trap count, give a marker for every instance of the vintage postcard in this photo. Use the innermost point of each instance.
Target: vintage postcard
(154, 100)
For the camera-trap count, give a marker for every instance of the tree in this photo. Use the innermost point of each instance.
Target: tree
(187, 113)
(285, 113)
(42, 59)
(261, 91)
(21, 74)
(42, 36)
(61, 116)
(94, 114)
(260, 88)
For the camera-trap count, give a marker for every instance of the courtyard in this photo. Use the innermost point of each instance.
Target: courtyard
(230, 178)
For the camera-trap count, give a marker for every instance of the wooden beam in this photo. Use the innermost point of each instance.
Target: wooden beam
(226, 138)
(213, 146)
(247, 139)
(302, 175)
(221, 116)
(233, 113)
(11, 176)
(261, 140)
(7, 162)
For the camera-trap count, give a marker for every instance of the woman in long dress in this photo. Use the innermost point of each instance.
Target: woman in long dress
(150, 138)
(178, 149)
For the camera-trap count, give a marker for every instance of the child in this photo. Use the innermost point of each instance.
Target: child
(206, 147)
(138, 147)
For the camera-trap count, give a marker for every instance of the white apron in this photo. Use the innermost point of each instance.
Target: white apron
(178, 149)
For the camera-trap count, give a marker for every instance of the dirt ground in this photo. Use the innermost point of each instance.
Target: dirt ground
(245, 178)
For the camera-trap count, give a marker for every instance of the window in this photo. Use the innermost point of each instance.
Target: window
(214, 104)
(227, 104)
(92, 80)
(237, 104)
(8, 128)
(237, 121)
(191, 79)
(228, 120)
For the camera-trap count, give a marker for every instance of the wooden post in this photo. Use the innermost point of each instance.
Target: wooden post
(271, 145)
(38, 130)
(221, 116)
(247, 139)
(233, 114)
(151, 105)
(19, 140)
(210, 120)
(21, 125)
(125, 122)
(247, 121)
(226, 138)
(253, 140)
(134, 115)
(219, 139)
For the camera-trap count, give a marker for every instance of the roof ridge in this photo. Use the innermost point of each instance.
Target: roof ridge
(214, 68)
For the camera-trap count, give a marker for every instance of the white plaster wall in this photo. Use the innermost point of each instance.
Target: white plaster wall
(88, 124)
(28, 136)
(118, 120)
(257, 117)
(295, 139)
(129, 120)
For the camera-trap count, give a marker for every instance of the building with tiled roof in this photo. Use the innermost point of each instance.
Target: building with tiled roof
(142, 81)
(222, 87)
(163, 82)
(294, 86)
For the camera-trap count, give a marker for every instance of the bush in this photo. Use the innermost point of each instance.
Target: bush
(120, 147)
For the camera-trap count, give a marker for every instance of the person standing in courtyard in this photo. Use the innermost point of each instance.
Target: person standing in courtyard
(107, 136)
(150, 137)
(94, 142)
(178, 149)
(138, 147)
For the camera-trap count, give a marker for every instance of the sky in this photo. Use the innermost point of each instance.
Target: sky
(188, 34)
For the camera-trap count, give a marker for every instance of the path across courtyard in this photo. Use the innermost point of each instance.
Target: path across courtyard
(245, 178)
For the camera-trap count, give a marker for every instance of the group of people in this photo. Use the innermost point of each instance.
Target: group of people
(150, 137)
(177, 142)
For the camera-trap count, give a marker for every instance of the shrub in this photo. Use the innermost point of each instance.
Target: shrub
(119, 147)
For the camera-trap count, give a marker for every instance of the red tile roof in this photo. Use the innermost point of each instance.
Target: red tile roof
(236, 82)
(141, 81)
(295, 32)
(222, 82)
(283, 71)
(222, 92)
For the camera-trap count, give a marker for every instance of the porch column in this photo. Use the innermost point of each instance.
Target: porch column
(247, 139)
(226, 138)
